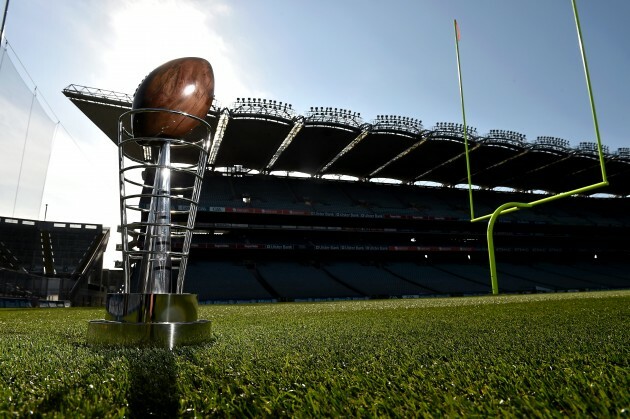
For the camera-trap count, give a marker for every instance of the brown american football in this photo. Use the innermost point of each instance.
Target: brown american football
(183, 84)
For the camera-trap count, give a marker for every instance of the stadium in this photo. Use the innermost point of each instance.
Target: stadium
(378, 211)
(324, 242)
(337, 266)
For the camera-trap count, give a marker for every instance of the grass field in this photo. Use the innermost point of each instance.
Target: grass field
(534, 355)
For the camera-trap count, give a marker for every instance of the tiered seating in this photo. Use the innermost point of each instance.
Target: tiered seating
(557, 281)
(221, 281)
(429, 203)
(272, 192)
(70, 246)
(7, 259)
(616, 270)
(323, 195)
(437, 279)
(265, 192)
(22, 243)
(614, 275)
(22, 284)
(597, 278)
(486, 202)
(374, 195)
(481, 275)
(328, 234)
(216, 191)
(372, 281)
(295, 281)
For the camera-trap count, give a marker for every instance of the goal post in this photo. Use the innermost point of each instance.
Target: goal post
(509, 207)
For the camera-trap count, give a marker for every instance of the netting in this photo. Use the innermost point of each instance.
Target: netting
(3, 9)
(26, 137)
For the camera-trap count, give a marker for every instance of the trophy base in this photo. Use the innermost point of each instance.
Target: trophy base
(163, 335)
(158, 320)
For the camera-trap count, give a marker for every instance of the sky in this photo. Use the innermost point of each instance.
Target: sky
(521, 68)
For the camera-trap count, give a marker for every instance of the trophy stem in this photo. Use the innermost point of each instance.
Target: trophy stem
(156, 263)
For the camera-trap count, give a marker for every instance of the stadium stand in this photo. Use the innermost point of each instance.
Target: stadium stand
(262, 235)
(224, 281)
(549, 278)
(437, 280)
(372, 281)
(295, 281)
(52, 260)
(376, 251)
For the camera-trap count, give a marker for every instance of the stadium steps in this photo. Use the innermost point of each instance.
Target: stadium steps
(8, 260)
(546, 279)
(263, 282)
(409, 280)
(602, 274)
(88, 263)
(223, 281)
(612, 270)
(481, 275)
(337, 279)
(430, 277)
(372, 281)
(570, 273)
(295, 281)
(473, 282)
(410, 272)
(47, 253)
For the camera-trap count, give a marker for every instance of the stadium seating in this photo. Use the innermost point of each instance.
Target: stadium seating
(41, 259)
(359, 239)
(548, 278)
(437, 279)
(596, 276)
(372, 281)
(295, 281)
(314, 239)
(223, 281)
(21, 244)
(70, 245)
(614, 275)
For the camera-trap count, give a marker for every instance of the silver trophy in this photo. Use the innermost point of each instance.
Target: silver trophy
(162, 151)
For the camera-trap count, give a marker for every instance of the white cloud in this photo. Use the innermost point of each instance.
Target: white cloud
(146, 33)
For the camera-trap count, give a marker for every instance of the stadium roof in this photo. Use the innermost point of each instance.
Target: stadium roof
(267, 135)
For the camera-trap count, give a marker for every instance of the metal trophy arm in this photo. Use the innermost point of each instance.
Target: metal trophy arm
(155, 311)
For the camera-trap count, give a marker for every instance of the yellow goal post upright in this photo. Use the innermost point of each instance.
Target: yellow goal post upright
(509, 207)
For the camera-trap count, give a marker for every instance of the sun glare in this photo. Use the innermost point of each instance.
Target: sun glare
(145, 34)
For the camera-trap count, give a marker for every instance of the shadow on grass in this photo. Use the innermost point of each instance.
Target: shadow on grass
(153, 384)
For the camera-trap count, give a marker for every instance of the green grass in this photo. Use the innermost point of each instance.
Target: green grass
(536, 355)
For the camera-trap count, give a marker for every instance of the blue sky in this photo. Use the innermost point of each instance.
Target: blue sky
(521, 66)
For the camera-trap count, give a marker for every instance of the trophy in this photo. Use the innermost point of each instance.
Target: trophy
(163, 146)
